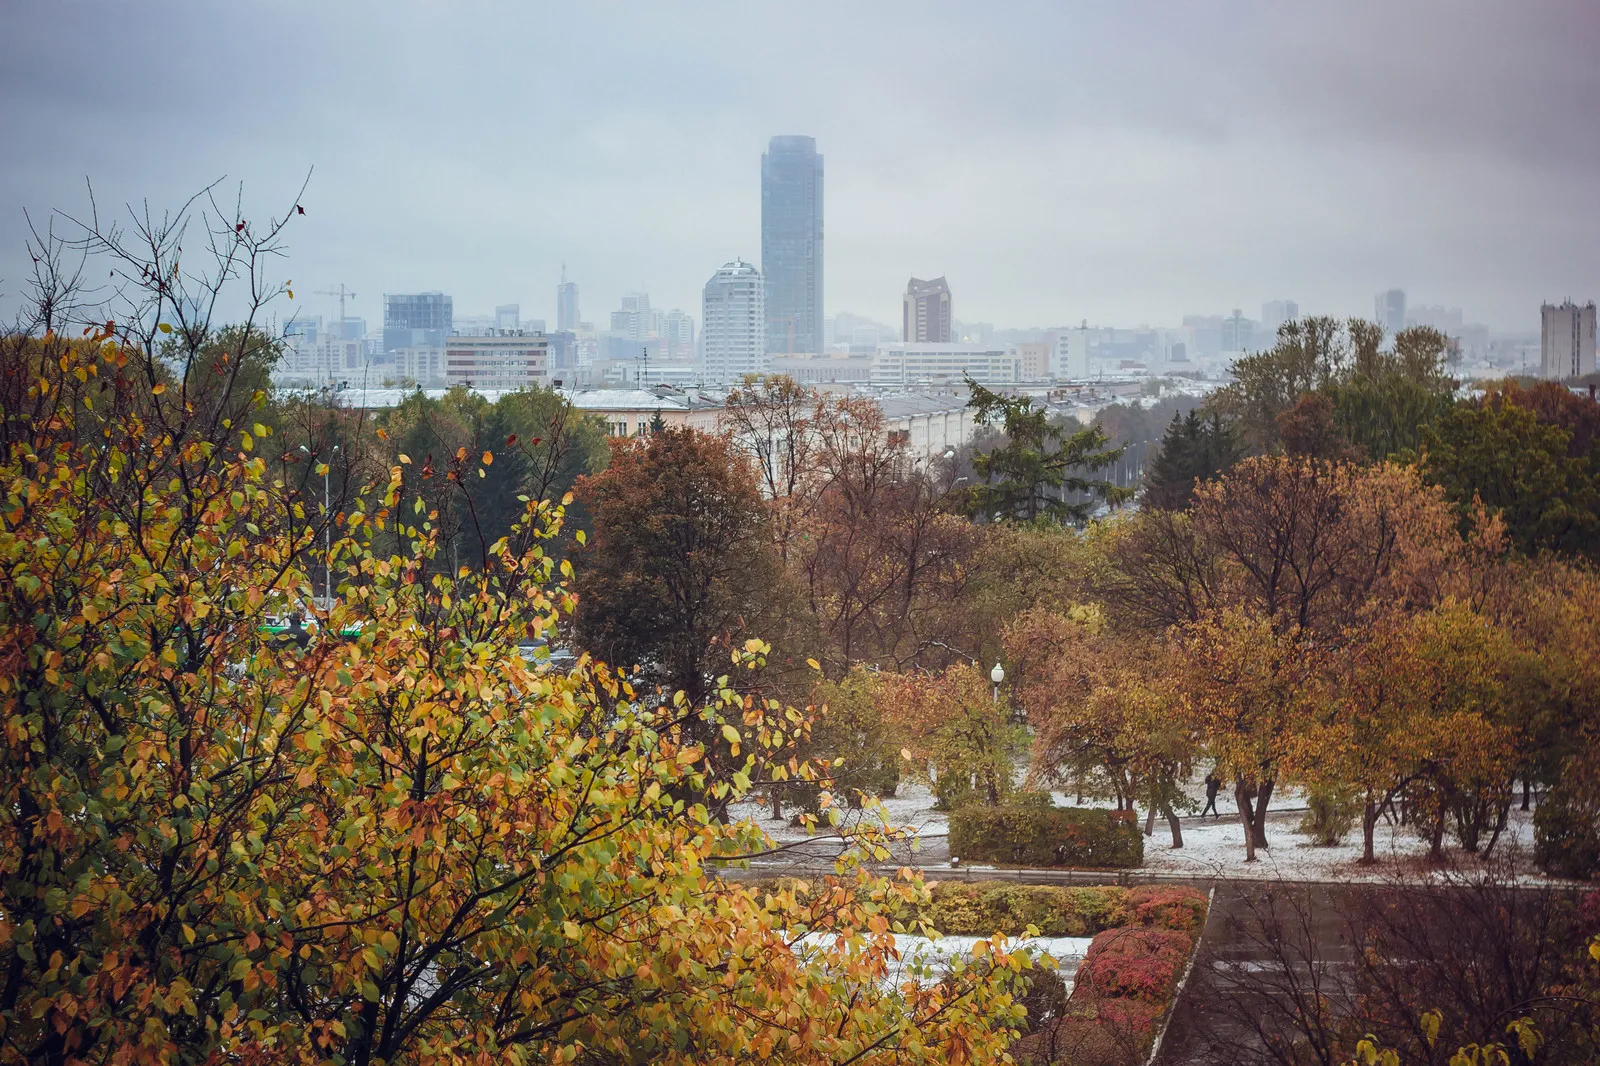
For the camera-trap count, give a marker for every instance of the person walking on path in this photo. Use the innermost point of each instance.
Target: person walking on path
(1213, 786)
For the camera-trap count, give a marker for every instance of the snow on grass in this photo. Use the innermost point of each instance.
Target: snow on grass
(923, 958)
(1215, 848)
(911, 807)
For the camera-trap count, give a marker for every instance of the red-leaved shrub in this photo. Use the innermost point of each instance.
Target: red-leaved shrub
(1133, 963)
(1179, 907)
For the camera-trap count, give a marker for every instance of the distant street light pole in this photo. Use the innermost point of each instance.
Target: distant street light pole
(997, 675)
(327, 531)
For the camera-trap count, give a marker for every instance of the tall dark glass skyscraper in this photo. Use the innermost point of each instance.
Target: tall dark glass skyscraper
(791, 244)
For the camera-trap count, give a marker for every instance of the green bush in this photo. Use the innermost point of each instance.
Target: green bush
(1027, 834)
(984, 907)
(1330, 814)
(1566, 836)
(852, 729)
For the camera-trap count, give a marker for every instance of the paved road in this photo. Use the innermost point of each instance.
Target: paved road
(1267, 948)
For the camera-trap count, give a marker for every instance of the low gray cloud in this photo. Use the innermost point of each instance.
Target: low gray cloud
(1119, 162)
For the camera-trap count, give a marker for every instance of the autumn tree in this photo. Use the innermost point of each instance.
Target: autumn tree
(1310, 354)
(781, 424)
(1381, 398)
(1103, 718)
(1414, 702)
(1039, 462)
(410, 846)
(959, 735)
(883, 561)
(678, 564)
(1292, 552)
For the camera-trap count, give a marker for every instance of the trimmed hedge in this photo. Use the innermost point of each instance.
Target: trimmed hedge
(979, 908)
(1026, 834)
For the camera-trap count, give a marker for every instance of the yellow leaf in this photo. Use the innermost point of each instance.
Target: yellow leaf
(814, 665)
(730, 734)
(158, 390)
(164, 328)
(404, 458)
(488, 458)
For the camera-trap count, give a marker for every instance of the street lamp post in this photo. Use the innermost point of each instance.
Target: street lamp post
(327, 531)
(997, 675)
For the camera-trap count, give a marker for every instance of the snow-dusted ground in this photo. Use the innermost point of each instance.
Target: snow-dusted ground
(1213, 846)
(922, 956)
(910, 808)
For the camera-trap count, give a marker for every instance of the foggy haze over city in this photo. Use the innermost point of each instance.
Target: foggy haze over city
(1056, 162)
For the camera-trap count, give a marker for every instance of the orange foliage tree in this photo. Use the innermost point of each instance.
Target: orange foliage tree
(410, 845)
(1102, 714)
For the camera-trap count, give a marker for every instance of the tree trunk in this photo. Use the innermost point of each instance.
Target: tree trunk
(1436, 844)
(1172, 822)
(1241, 796)
(1150, 821)
(1527, 792)
(777, 803)
(1502, 818)
(1369, 827)
(1258, 825)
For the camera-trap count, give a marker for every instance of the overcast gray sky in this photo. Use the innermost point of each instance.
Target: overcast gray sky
(1121, 162)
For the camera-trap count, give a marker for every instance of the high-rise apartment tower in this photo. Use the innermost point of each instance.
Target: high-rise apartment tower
(732, 332)
(1566, 340)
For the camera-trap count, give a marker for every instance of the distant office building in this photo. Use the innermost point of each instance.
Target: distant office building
(1447, 320)
(677, 335)
(1566, 340)
(1275, 313)
(566, 303)
(1178, 352)
(732, 330)
(532, 325)
(508, 359)
(416, 320)
(838, 368)
(563, 346)
(1072, 353)
(419, 364)
(1035, 361)
(864, 340)
(944, 364)
(1389, 310)
(925, 312)
(791, 245)
(508, 316)
(633, 321)
(972, 332)
(1238, 333)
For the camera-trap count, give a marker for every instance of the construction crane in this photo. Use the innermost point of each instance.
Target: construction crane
(341, 292)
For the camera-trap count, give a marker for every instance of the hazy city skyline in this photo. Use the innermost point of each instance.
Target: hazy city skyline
(1055, 162)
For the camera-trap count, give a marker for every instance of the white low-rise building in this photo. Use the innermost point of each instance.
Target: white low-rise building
(906, 365)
